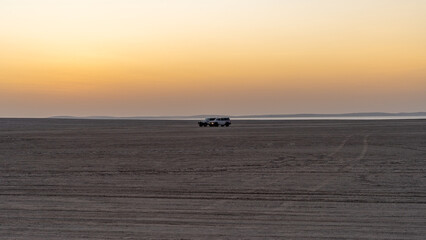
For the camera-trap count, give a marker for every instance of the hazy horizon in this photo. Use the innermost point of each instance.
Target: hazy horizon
(233, 57)
(373, 115)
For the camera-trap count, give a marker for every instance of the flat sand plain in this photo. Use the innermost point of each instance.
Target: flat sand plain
(128, 179)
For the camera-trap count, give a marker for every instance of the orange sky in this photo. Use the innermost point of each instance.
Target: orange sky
(141, 58)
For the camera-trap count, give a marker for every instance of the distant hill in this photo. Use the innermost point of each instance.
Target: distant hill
(365, 114)
(303, 115)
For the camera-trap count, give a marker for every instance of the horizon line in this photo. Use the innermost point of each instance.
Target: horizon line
(294, 115)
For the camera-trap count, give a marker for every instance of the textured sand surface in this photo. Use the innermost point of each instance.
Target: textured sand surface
(99, 179)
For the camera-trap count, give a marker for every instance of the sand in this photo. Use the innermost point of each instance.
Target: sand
(128, 179)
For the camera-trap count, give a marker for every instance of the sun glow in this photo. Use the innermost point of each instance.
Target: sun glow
(158, 57)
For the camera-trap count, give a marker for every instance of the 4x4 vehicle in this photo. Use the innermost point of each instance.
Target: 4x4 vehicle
(205, 122)
(215, 122)
(222, 121)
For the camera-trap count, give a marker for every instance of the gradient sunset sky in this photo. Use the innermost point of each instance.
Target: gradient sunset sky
(187, 57)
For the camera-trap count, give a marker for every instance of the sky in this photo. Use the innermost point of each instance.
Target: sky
(231, 57)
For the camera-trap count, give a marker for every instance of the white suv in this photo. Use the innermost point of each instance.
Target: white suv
(222, 121)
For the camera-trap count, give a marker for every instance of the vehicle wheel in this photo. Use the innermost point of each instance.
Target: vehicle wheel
(227, 125)
(205, 124)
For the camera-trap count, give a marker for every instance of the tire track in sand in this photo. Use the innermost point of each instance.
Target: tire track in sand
(346, 166)
(337, 150)
(224, 201)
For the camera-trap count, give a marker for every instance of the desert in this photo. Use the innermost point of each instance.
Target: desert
(136, 179)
